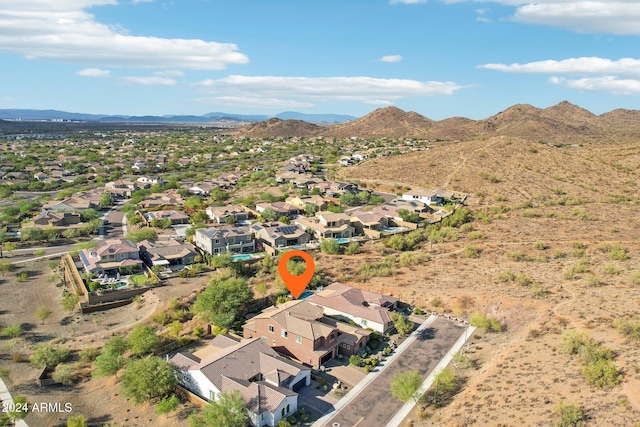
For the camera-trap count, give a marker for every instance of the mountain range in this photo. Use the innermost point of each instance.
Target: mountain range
(564, 123)
(209, 118)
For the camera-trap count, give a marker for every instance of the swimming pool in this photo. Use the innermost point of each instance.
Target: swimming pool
(342, 240)
(305, 294)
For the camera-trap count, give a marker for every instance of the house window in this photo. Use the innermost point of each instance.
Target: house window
(283, 412)
(288, 409)
(271, 329)
(298, 339)
(285, 334)
(364, 322)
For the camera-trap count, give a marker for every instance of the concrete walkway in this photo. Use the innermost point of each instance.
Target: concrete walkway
(407, 407)
(370, 403)
(6, 399)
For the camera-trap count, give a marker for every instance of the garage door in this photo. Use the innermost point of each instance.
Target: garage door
(301, 383)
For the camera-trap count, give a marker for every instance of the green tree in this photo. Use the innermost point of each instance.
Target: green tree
(227, 411)
(222, 300)
(107, 363)
(231, 220)
(10, 246)
(50, 355)
(602, 373)
(32, 234)
(445, 380)
(402, 323)
(148, 378)
(175, 328)
(77, 421)
(268, 215)
(145, 233)
(105, 200)
(69, 301)
(143, 340)
(405, 385)
(43, 313)
(330, 246)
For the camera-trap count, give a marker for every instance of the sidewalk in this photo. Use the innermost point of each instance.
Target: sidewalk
(362, 385)
(407, 407)
(6, 399)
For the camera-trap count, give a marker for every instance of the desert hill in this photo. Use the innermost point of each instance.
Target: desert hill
(280, 128)
(564, 123)
(388, 122)
(514, 168)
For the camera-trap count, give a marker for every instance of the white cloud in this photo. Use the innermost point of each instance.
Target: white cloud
(93, 72)
(254, 102)
(378, 102)
(169, 73)
(391, 58)
(583, 65)
(63, 31)
(608, 84)
(589, 16)
(150, 80)
(408, 1)
(311, 89)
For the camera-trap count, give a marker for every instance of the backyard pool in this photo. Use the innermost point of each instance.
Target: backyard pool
(342, 240)
(305, 294)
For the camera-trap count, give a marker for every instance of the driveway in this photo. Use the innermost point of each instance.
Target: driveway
(374, 405)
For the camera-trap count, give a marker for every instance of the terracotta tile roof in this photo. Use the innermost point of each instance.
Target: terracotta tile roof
(358, 302)
(243, 360)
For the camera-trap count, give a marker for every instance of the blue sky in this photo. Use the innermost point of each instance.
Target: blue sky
(440, 58)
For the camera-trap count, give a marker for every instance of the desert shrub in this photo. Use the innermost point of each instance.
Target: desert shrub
(482, 321)
(355, 360)
(610, 270)
(437, 302)
(559, 253)
(628, 327)
(402, 324)
(578, 245)
(89, 354)
(471, 251)
(408, 259)
(530, 213)
(466, 228)
(539, 245)
(592, 280)
(64, 374)
(634, 278)
(603, 373)
(463, 360)
(330, 246)
(167, 405)
(524, 279)
(577, 253)
(618, 253)
(475, 235)
(538, 290)
(570, 415)
(506, 276)
(573, 341)
(352, 249)
(518, 256)
(46, 354)
(384, 268)
(12, 331)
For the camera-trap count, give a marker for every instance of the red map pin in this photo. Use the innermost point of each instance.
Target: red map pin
(296, 284)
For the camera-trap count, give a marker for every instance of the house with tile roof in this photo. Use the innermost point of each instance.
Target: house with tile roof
(276, 235)
(220, 213)
(280, 208)
(167, 253)
(175, 216)
(367, 309)
(266, 380)
(111, 256)
(328, 225)
(218, 240)
(300, 330)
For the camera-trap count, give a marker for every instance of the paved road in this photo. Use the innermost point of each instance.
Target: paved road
(375, 406)
(115, 229)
